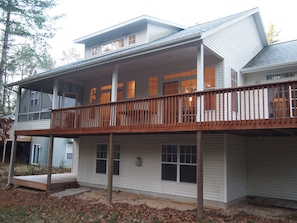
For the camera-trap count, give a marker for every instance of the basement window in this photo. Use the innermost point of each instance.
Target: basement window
(179, 163)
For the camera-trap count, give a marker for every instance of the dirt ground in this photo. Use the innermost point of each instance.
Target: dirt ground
(100, 196)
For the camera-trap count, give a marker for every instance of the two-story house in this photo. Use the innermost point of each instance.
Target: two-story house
(203, 113)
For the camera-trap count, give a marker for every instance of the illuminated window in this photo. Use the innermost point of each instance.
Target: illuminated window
(120, 95)
(170, 88)
(104, 97)
(131, 89)
(92, 95)
(153, 86)
(189, 86)
(210, 77)
(114, 45)
(180, 74)
(132, 39)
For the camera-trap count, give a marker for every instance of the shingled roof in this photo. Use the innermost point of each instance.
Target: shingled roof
(194, 33)
(276, 55)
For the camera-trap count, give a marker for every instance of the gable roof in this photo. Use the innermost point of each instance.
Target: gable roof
(274, 56)
(186, 36)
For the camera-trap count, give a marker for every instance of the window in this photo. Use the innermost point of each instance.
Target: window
(69, 151)
(102, 156)
(179, 163)
(36, 154)
(131, 89)
(210, 77)
(153, 86)
(92, 95)
(113, 45)
(234, 95)
(170, 88)
(282, 75)
(118, 44)
(131, 39)
(34, 97)
(169, 162)
(95, 51)
(105, 97)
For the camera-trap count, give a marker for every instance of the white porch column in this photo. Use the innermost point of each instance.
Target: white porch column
(114, 90)
(200, 82)
(55, 94)
(114, 84)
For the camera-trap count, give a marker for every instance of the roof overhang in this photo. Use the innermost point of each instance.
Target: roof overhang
(268, 67)
(140, 19)
(112, 59)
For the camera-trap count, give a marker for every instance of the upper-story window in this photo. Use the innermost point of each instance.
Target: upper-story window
(95, 50)
(113, 45)
(34, 98)
(131, 39)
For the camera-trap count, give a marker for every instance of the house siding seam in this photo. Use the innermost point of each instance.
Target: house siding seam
(147, 178)
(230, 42)
(272, 167)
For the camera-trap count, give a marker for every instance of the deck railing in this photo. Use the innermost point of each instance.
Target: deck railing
(254, 106)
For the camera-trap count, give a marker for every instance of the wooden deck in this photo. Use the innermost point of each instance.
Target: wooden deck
(269, 106)
(40, 181)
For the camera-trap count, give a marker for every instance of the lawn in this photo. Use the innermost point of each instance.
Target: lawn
(25, 205)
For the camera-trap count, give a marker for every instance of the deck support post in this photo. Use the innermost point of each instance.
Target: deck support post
(12, 160)
(110, 169)
(199, 177)
(50, 162)
(4, 150)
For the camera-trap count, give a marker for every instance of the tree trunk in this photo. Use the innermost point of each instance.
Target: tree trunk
(4, 54)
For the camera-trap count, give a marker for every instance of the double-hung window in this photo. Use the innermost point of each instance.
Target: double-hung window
(179, 163)
(102, 159)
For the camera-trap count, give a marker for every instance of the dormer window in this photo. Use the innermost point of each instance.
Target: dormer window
(132, 39)
(114, 45)
(95, 50)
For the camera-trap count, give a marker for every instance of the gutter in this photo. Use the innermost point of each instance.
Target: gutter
(267, 67)
(110, 60)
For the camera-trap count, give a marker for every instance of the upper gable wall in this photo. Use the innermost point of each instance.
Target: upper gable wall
(139, 30)
(236, 44)
(145, 32)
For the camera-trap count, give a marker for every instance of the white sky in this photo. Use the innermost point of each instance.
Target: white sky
(84, 17)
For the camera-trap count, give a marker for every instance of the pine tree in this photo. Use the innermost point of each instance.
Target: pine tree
(23, 22)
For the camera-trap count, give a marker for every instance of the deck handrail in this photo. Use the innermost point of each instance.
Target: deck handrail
(264, 104)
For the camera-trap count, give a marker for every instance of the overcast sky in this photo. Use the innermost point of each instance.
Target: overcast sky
(84, 17)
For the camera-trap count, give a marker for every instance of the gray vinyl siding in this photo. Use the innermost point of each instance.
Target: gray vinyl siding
(236, 167)
(272, 167)
(147, 178)
(230, 42)
(157, 31)
(33, 125)
(59, 153)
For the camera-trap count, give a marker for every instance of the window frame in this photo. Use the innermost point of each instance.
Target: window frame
(34, 96)
(116, 159)
(234, 95)
(178, 163)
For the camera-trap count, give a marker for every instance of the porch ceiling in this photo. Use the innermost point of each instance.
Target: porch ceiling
(150, 62)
